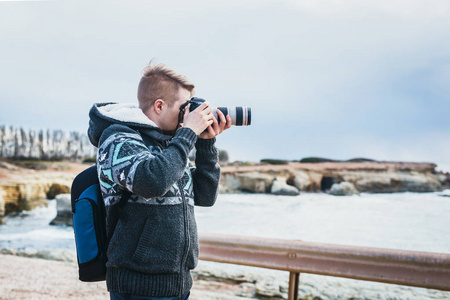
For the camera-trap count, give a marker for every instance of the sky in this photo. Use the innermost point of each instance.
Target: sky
(334, 79)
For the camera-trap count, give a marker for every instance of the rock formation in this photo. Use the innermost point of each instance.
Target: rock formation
(253, 182)
(25, 189)
(343, 189)
(44, 145)
(371, 177)
(30, 193)
(64, 210)
(280, 187)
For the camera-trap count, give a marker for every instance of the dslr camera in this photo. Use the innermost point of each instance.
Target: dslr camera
(240, 115)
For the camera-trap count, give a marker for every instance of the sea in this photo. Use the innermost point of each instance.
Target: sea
(405, 221)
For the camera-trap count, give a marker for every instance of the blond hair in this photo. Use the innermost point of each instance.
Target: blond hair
(161, 82)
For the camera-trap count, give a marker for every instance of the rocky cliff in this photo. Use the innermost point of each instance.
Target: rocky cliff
(25, 189)
(371, 177)
(18, 143)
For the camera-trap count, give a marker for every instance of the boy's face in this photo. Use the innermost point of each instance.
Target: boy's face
(169, 116)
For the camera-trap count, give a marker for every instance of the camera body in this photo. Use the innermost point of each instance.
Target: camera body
(240, 115)
(195, 102)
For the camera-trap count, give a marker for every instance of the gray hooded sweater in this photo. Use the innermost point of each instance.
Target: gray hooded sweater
(155, 243)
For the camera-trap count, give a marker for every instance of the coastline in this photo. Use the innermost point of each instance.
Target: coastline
(32, 277)
(25, 185)
(37, 278)
(40, 279)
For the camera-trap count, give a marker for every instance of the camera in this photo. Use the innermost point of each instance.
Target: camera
(240, 115)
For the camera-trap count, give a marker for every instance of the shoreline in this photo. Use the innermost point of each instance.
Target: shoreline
(27, 188)
(38, 278)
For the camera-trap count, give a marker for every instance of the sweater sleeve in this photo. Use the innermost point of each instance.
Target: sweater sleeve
(207, 173)
(124, 160)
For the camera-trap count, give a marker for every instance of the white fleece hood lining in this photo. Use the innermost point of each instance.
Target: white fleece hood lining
(125, 112)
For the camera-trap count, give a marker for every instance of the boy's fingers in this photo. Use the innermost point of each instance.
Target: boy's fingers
(228, 125)
(207, 110)
(222, 117)
(204, 105)
(215, 125)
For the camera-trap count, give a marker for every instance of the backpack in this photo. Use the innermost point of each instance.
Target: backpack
(89, 224)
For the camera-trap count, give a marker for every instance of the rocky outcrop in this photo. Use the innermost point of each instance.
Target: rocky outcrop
(305, 180)
(392, 181)
(63, 211)
(25, 195)
(253, 182)
(280, 187)
(256, 182)
(57, 188)
(25, 189)
(44, 145)
(31, 193)
(343, 189)
(371, 177)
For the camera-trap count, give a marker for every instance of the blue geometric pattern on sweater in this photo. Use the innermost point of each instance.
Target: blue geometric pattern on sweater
(116, 160)
(188, 184)
(117, 163)
(119, 157)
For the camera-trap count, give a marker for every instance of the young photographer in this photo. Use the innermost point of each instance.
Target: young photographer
(144, 150)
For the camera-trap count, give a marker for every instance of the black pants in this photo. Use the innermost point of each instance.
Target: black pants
(120, 296)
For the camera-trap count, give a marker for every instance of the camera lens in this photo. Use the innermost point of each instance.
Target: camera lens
(240, 115)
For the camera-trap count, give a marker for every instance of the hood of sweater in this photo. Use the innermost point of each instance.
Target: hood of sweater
(103, 115)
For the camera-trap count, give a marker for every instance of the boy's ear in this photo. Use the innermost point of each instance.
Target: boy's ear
(158, 105)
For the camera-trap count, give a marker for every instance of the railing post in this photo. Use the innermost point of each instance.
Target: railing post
(294, 280)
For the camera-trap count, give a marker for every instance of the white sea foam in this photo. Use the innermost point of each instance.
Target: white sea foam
(445, 193)
(408, 221)
(32, 229)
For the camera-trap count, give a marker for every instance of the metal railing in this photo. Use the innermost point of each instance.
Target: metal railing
(412, 268)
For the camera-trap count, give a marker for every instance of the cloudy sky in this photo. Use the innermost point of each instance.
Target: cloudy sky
(335, 79)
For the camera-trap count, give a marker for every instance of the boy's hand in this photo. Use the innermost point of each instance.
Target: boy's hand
(198, 119)
(215, 129)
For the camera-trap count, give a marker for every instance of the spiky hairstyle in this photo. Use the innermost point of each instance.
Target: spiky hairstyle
(161, 82)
